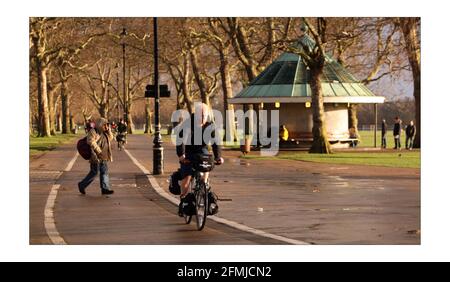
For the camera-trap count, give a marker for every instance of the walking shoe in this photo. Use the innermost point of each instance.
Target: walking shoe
(107, 192)
(82, 190)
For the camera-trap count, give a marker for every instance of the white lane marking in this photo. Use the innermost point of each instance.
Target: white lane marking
(71, 163)
(152, 180)
(49, 219)
(233, 224)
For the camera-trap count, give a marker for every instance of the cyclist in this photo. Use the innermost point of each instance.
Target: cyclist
(188, 151)
(121, 133)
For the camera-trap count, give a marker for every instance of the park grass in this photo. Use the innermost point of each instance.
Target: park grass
(367, 138)
(141, 132)
(406, 159)
(42, 144)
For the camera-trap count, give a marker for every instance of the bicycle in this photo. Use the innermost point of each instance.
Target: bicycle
(121, 138)
(200, 189)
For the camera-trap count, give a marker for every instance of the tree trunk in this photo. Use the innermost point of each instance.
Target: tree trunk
(44, 117)
(103, 110)
(187, 97)
(37, 116)
(71, 123)
(227, 88)
(30, 121)
(148, 118)
(417, 103)
(200, 82)
(130, 119)
(51, 110)
(320, 137)
(65, 106)
(353, 118)
(59, 121)
(409, 30)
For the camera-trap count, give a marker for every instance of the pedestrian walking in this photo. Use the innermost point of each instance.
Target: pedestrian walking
(397, 133)
(410, 134)
(383, 134)
(99, 138)
(353, 136)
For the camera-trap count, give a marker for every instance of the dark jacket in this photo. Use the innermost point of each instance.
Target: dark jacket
(122, 128)
(186, 144)
(410, 130)
(397, 128)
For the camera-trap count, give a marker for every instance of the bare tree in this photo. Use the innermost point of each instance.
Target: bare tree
(313, 54)
(410, 29)
(367, 46)
(176, 57)
(45, 48)
(254, 42)
(207, 84)
(99, 86)
(41, 58)
(180, 72)
(148, 118)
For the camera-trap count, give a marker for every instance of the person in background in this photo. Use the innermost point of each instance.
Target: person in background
(284, 134)
(89, 125)
(383, 134)
(352, 135)
(397, 132)
(410, 134)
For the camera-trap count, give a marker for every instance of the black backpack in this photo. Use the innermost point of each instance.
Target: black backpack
(84, 149)
(174, 186)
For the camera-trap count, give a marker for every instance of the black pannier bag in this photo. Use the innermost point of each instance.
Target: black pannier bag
(174, 186)
(204, 163)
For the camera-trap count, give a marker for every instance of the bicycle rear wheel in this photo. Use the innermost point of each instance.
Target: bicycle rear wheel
(201, 205)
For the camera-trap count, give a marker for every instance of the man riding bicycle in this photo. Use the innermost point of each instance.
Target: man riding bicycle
(121, 134)
(189, 151)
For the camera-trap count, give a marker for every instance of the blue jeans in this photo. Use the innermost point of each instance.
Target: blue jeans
(104, 177)
(409, 142)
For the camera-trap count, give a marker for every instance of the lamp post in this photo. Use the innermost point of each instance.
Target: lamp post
(158, 165)
(125, 101)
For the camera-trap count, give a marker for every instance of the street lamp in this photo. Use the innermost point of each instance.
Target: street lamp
(158, 165)
(125, 101)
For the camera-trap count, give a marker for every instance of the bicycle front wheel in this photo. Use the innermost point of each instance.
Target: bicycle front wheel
(201, 205)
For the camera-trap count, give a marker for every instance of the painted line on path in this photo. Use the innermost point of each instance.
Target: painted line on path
(49, 216)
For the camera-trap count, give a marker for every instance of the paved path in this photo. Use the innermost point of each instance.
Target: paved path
(297, 200)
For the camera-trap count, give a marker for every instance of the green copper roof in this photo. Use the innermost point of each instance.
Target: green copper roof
(288, 76)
